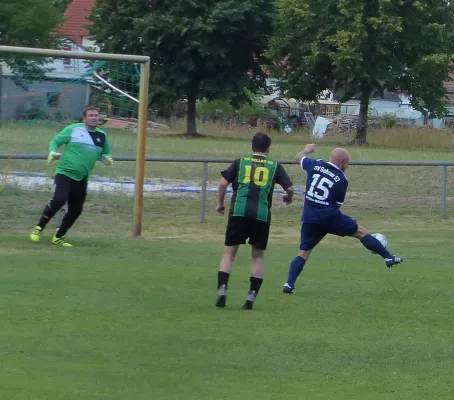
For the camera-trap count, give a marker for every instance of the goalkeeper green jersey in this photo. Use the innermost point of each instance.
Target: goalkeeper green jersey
(83, 149)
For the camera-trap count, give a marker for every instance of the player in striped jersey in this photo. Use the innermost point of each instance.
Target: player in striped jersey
(253, 178)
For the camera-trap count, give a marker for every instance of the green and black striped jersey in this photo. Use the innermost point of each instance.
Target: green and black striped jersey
(253, 178)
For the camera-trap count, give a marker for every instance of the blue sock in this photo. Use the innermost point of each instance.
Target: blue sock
(372, 244)
(296, 267)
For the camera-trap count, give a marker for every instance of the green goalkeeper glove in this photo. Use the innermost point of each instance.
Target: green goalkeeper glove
(107, 160)
(53, 155)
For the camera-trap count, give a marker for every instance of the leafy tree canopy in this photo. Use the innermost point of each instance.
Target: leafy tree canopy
(359, 48)
(28, 23)
(199, 49)
(62, 5)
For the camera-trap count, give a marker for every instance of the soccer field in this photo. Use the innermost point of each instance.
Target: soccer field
(119, 318)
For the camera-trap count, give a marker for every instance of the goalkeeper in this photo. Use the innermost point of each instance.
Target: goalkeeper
(85, 144)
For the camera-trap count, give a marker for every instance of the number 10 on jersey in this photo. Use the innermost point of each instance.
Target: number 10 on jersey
(260, 178)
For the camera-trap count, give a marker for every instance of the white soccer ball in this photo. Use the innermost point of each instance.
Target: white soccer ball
(381, 238)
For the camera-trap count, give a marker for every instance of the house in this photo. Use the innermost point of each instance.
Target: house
(75, 28)
(65, 92)
(397, 104)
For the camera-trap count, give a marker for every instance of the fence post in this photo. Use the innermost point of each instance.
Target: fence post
(443, 190)
(203, 192)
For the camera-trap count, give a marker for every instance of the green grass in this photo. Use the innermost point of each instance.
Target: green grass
(119, 318)
(115, 320)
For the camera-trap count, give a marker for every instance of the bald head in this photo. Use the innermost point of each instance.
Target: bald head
(340, 157)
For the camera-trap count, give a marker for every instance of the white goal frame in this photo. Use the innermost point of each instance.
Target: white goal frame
(144, 62)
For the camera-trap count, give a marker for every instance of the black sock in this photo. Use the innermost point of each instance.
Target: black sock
(61, 232)
(223, 278)
(255, 285)
(66, 223)
(48, 213)
(68, 220)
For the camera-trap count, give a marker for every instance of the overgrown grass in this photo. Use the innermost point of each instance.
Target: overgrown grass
(29, 138)
(409, 138)
(394, 188)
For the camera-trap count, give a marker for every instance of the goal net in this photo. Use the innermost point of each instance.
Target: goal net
(42, 91)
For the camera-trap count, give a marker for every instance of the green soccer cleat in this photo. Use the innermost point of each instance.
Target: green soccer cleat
(34, 236)
(61, 242)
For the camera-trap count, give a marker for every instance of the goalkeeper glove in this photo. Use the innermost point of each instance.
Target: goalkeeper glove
(107, 160)
(53, 156)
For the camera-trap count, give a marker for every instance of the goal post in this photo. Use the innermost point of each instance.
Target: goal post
(144, 62)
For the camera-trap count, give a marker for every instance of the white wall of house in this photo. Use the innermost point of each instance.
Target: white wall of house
(71, 67)
(377, 107)
(404, 112)
(62, 68)
(63, 92)
(89, 44)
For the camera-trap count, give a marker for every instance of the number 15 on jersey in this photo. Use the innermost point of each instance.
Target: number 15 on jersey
(320, 187)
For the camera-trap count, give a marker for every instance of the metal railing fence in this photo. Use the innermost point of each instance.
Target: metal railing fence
(205, 161)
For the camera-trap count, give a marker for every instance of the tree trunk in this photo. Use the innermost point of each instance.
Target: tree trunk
(191, 128)
(426, 118)
(361, 129)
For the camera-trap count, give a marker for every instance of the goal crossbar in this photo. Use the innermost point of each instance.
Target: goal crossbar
(143, 106)
(84, 55)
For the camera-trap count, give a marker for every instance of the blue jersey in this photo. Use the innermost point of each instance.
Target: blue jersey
(326, 186)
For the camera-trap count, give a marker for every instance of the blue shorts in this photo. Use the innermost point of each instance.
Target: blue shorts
(339, 225)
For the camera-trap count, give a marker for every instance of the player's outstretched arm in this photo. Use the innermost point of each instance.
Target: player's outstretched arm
(57, 141)
(310, 148)
(222, 189)
(63, 137)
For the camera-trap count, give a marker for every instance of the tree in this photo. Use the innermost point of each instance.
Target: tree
(28, 23)
(199, 49)
(62, 5)
(363, 47)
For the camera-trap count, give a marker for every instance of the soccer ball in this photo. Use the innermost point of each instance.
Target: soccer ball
(381, 238)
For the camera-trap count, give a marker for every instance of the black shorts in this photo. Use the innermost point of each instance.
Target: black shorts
(68, 190)
(239, 229)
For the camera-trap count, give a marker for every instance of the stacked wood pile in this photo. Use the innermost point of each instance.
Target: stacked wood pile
(345, 123)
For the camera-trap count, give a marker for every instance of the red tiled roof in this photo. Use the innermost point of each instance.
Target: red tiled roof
(77, 15)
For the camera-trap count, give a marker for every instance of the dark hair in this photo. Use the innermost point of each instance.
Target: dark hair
(90, 108)
(261, 142)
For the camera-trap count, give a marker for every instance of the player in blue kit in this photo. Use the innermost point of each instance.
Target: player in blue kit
(326, 186)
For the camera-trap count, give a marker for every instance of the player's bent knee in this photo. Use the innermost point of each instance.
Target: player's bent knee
(305, 254)
(360, 232)
(257, 253)
(75, 210)
(57, 202)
